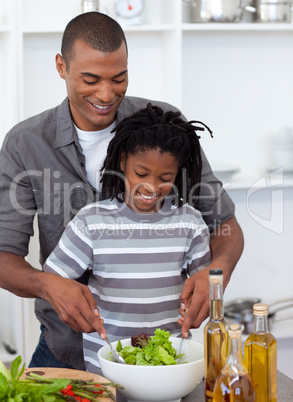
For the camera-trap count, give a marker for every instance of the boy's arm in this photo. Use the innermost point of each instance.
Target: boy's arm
(226, 245)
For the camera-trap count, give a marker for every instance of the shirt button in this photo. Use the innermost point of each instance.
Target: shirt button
(56, 195)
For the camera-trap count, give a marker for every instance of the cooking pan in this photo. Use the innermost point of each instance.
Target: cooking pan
(218, 10)
(241, 311)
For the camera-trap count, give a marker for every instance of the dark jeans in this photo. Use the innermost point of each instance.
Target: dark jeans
(43, 357)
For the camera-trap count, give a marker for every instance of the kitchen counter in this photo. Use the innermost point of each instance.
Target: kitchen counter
(285, 391)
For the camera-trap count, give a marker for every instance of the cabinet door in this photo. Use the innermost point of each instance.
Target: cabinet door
(11, 326)
(8, 67)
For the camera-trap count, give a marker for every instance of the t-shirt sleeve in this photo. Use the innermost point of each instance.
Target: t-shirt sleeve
(198, 255)
(73, 254)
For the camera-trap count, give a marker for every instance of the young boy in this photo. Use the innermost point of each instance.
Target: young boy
(142, 242)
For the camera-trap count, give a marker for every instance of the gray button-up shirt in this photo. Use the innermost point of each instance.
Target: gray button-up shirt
(43, 172)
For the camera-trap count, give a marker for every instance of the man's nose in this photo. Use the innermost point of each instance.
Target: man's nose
(105, 92)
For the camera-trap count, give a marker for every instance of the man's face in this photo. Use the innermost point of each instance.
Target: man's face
(96, 83)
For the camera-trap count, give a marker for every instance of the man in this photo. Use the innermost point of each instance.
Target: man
(49, 166)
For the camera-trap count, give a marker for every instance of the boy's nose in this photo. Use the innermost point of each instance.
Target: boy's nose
(152, 188)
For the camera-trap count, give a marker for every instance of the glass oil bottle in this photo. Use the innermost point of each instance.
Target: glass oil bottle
(234, 384)
(260, 356)
(215, 334)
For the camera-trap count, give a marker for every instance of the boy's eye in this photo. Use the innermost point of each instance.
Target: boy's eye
(165, 180)
(140, 175)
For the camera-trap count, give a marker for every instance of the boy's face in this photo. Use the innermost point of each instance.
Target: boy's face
(96, 83)
(149, 178)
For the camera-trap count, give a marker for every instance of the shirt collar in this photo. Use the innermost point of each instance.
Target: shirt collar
(66, 133)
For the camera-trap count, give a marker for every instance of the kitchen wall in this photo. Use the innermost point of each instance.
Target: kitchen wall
(245, 93)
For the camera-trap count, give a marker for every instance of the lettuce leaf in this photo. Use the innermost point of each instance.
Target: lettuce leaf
(159, 351)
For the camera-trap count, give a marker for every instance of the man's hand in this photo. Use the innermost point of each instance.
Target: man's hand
(74, 304)
(72, 301)
(195, 299)
(226, 246)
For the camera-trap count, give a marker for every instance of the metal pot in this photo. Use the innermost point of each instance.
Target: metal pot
(273, 10)
(241, 311)
(218, 10)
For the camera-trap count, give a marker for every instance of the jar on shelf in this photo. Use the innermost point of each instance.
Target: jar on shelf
(90, 5)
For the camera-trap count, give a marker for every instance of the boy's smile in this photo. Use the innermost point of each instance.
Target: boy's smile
(149, 177)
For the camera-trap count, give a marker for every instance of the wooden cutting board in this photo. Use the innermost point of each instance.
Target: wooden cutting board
(51, 372)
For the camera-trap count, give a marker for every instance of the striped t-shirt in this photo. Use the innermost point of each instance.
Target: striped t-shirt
(137, 262)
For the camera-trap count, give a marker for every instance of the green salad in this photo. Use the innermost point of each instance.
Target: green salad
(146, 350)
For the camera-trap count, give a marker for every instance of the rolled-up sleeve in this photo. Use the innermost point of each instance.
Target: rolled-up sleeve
(17, 203)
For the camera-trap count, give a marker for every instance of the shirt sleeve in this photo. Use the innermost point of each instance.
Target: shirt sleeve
(17, 202)
(73, 254)
(198, 255)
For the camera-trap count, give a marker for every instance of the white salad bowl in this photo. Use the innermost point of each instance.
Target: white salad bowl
(156, 383)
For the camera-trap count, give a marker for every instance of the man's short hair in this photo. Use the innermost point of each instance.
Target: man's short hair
(97, 30)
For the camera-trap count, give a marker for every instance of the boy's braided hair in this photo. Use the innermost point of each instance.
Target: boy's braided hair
(152, 128)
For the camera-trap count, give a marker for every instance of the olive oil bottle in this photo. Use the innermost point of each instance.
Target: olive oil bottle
(234, 384)
(260, 356)
(215, 334)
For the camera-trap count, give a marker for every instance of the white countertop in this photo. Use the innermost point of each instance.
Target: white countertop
(261, 181)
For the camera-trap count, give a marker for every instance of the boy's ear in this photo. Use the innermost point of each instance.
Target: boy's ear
(122, 161)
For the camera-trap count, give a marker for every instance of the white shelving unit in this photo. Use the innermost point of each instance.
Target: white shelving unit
(237, 78)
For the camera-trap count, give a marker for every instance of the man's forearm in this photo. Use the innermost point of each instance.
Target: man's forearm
(18, 276)
(226, 244)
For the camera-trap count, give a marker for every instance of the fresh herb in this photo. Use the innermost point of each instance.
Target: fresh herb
(36, 388)
(157, 351)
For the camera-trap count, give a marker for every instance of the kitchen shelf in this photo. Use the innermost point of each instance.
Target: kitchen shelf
(245, 27)
(129, 28)
(236, 27)
(5, 29)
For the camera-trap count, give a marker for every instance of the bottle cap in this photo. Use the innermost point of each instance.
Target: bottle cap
(216, 272)
(260, 309)
(235, 330)
(216, 276)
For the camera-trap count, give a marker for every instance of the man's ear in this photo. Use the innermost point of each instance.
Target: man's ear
(122, 161)
(60, 65)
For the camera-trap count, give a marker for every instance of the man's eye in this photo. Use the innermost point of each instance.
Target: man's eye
(119, 81)
(89, 82)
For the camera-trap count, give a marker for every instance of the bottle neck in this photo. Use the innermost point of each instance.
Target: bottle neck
(260, 324)
(216, 301)
(234, 356)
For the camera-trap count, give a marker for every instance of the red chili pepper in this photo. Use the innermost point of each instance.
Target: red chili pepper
(100, 390)
(86, 400)
(68, 390)
(78, 398)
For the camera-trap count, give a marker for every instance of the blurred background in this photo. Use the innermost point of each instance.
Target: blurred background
(230, 67)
